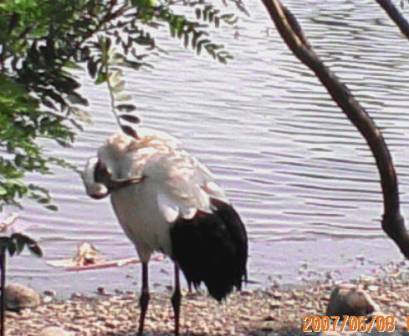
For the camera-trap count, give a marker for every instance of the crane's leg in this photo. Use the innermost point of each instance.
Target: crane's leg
(176, 299)
(144, 298)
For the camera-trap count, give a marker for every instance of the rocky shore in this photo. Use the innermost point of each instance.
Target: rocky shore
(272, 311)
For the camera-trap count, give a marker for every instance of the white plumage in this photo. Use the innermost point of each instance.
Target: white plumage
(155, 185)
(173, 185)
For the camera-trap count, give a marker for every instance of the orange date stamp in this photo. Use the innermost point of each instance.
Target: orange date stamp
(364, 324)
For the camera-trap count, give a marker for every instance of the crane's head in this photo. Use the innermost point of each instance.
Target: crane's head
(111, 169)
(95, 177)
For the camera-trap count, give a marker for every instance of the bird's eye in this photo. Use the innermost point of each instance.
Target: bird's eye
(101, 173)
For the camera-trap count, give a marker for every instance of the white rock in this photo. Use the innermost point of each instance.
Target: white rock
(55, 331)
(274, 304)
(402, 304)
(47, 299)
(50, 292)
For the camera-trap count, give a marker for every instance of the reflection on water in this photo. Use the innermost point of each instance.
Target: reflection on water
(290, 161)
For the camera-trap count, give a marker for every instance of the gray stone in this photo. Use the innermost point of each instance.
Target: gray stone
(349, 299)
(20, 297)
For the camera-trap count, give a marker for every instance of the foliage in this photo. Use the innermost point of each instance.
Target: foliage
(13, 242)
(16, 243)
(43, 45)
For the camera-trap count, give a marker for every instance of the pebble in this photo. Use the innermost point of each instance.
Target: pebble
(50, 292)
(47, 299)
(276, 294)
(402, 304)
(54, 331)
(101, 291)
(270, 317)
(373, 288)
(274, 304)
(77, 295)
(275, 311)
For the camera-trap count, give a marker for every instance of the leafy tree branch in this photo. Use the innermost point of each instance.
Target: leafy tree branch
(43, 44)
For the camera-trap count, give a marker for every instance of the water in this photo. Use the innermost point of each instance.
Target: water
(299, 174)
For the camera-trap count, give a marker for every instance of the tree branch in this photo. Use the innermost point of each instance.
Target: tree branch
(395, 15)
(291, 32)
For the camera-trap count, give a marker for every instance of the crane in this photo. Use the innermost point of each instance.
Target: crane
(167, 201)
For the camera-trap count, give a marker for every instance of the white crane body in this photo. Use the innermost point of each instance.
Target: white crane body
(167, 201)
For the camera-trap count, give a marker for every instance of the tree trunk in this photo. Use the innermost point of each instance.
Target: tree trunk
(292, 34)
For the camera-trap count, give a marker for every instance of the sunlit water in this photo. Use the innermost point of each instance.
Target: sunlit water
(299, 174)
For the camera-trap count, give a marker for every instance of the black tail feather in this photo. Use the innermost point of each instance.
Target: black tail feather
(212, 248)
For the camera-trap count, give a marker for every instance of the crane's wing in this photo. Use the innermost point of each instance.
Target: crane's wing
(183, 184)
(209, 240)
(180, 184)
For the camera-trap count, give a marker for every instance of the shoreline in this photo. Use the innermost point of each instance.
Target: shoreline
(272, 311)
(291, 263)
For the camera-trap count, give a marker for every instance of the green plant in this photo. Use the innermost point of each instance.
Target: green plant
(13, 242)
(44, 44)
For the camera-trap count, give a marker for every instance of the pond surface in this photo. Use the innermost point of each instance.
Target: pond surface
(299, 174)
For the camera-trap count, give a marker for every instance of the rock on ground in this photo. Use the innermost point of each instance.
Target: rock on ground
(21, 297)
(54, 331)
(274, 311)
(350, 299)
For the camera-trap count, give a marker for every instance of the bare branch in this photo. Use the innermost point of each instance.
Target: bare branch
(395, 15)
(291, 32)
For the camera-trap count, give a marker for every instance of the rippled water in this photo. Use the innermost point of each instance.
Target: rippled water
(297, 171)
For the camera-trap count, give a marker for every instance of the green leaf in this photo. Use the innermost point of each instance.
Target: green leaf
(129, 131)
(4, 242)
(101, 78)
(12, 248)
(52, 207)
(32, 245)
(3, 191)
(92, 68)
(35, 249)
(19, 242)
(45, 45)
(198, 13)
(126, 108)
(130, 118)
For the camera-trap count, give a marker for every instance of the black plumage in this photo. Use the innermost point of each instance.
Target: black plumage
(212, 248)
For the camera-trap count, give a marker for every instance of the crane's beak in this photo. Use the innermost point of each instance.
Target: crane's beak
(100, 193)
(98, 180)
(122, 183)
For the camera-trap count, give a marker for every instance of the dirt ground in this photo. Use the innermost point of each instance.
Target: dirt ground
(269, 312)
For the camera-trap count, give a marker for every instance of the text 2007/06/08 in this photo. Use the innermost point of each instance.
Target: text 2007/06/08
(380, 323)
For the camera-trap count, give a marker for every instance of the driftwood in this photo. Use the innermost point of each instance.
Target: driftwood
(292, 34)
(395, 16)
